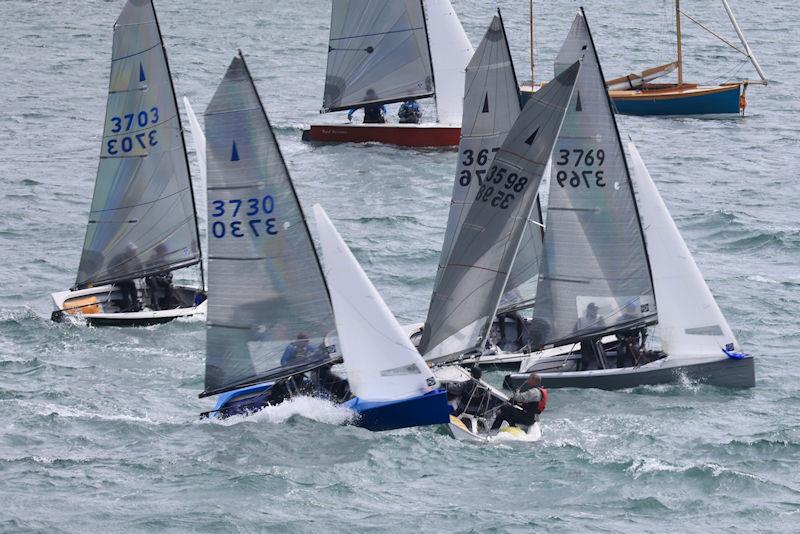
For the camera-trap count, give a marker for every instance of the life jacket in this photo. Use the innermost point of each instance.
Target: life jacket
(536, 407)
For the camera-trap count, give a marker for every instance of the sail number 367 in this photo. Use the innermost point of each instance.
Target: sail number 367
(587, 158)
(244, 213)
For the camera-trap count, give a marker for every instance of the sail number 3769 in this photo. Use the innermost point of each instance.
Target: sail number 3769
(244, 213)
(575, 157)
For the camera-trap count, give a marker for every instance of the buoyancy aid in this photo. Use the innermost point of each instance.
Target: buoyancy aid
(536, 407)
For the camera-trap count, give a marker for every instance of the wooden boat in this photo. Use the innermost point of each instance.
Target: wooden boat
(637, 94)
(371, 62)
(143, 219)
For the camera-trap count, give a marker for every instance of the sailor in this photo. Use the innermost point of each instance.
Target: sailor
(532, 402)
(328, 381)
(373, 113)
(631, 340)
(409, 112)
(297, 350)
(589, 320)
(159, 282)
(128, 260)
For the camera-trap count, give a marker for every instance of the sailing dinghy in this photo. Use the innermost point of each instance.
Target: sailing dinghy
(271, 331)
(383, 51)
(498, 206)
(142, 222)
(615, 264)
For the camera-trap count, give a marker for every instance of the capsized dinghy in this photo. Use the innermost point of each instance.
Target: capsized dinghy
(142, 223)
(382, 52)
(615, 266)
(273, 320)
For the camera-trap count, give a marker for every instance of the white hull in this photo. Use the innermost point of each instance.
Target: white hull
(99, 306)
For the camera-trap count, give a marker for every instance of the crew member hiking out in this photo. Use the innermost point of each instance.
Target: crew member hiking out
(530, 402)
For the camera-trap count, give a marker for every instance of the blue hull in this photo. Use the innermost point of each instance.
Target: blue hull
(428, 409)
(724, 101)
(719, 102)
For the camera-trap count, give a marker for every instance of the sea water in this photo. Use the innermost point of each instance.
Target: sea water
(99, 426)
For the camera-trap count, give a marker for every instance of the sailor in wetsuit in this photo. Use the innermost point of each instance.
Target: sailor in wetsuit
(373, 113)
(532, 401)
(409, 112)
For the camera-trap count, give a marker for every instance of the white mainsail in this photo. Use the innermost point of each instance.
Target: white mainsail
(690, 323)
(381, 362)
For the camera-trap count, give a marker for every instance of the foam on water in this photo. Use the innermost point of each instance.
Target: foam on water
(314, 408)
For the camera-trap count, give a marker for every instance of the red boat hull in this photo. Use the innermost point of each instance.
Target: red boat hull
(411, 135)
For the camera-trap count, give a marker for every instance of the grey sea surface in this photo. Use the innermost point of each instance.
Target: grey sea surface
(99, 427)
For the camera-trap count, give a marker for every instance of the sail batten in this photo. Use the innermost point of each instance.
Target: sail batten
(595, 275)
(269, 309)
(142, 219)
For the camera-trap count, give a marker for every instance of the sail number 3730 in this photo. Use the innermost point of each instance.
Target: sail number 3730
(246, 217)
(576, 157)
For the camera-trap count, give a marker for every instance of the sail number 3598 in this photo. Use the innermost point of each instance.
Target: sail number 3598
(576, 157)
(500, 186)
(249, 208)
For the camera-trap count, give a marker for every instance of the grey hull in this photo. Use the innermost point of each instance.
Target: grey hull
(724, 373)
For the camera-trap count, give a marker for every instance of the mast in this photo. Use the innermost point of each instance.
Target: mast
(678, 33)
(430, 56)
(744, 43)
(185, 155)
(533, 48)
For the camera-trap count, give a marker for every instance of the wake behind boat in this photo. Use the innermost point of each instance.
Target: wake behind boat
(275, 320)
(381, 52)
(142, 222)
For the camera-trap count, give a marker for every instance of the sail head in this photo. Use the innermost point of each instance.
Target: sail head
(377, 53)
(142, 218)
(483, 251)
(269, 310)
(595, 275)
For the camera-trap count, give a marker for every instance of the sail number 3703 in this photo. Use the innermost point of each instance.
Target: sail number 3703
(125, 142)
(577, 157)
(247, 217)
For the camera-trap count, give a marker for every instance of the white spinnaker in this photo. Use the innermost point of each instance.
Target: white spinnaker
(451, 51)
(199, 139)
(690, 323)
(381, 362)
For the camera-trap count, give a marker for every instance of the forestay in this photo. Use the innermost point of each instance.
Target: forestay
(595, 276)
(142, 218)
(378, 53)
(475, 276)
(381, 362)
(269, 309)
(690, 324)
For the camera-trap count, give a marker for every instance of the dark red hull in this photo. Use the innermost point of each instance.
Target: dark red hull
(393, 134)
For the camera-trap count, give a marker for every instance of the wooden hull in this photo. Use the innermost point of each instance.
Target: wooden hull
(670, 99)
(673, 100)
(410, 135)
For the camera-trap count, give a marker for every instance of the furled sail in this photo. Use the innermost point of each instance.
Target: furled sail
(690, 323)
(595, 276)
(142, 218)
(378, 53)
(269, 309)
(477, 269)
(381, 362)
